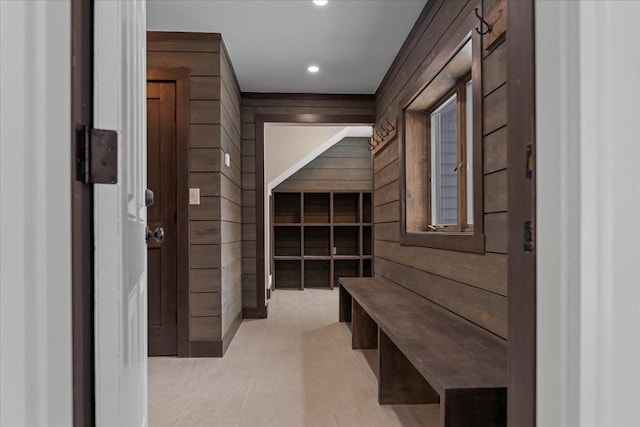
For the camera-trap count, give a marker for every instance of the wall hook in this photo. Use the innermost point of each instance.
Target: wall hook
(380, 133)
(483, 23)
(390, 124)
(371, 145)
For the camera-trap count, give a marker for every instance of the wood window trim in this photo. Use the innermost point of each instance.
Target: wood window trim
(456, 240)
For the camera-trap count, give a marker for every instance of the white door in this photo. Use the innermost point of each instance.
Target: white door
(120, 216)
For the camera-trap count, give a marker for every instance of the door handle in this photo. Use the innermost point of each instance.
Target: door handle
(157, 234)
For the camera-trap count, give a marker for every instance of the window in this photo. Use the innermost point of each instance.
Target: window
(442, 184)
(450, 143)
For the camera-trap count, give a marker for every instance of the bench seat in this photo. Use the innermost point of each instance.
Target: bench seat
(427, 354)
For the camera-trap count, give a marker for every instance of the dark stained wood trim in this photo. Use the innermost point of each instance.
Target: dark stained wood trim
(521, 208)
(309, 96)
(82, 241)
(231, 332)
(260, 120)
(162, 36)
(205, 348)
(464, 242)
(254, 313)
(181, 76)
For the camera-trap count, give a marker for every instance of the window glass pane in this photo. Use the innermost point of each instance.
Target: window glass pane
(444, 158)
(469, 153)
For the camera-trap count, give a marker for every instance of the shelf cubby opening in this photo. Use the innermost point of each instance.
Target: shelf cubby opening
(287, 241)
(344, 268)
(286, 208)
(317, 274)
(366, 240)
(288, 274)
(317, 241)
(366, 208)
(346, 208)
(346, 240)
(366, 268)
(316, 208)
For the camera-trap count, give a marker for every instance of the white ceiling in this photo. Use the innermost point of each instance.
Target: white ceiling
(272, 42)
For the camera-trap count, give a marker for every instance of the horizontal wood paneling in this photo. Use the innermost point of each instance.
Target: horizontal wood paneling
(204, 328)
(495, 110)
(473, 286)
(204, 232)
(205, 304)
(200, 63)
(204, 136)
(204, 280)
(333, 171)
(200, 53)
(495, 192)
(495, 227)
(495, 151)
(205, 88)
(483, 308)
(388, 174)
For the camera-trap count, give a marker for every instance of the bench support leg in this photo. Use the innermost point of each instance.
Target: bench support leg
(474, 407)
(400, 382)
(344, 314)
(364, 331)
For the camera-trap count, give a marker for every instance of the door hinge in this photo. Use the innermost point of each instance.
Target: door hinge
(528, 237)
(96, 155)
(529, 161)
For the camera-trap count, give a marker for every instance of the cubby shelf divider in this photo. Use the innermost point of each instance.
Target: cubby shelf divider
(318, 237)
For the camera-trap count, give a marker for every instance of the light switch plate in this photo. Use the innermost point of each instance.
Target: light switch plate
(227, 159)
(194, 196)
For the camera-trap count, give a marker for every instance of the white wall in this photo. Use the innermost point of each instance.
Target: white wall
(288, 143)
(588, 183)
(35, 212)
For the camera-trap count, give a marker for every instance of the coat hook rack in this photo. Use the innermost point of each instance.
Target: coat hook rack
(383, 133)
(484, 23)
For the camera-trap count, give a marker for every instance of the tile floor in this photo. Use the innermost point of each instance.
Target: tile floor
(295, 368)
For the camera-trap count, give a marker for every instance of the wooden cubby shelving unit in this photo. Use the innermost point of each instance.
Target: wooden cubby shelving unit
(318, 237)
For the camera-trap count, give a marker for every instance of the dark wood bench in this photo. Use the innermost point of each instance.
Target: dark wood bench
(426, 354)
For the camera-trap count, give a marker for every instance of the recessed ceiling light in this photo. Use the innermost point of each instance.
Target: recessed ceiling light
(320, 2)
(313, 68)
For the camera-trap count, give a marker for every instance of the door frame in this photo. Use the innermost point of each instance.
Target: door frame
(521, 141)
(181, 76)
(82, 240)
(260, 312)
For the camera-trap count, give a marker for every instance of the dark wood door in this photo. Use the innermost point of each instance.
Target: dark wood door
(161, 179)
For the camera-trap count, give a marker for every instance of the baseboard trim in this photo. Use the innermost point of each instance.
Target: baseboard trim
(255, 313)
(205, 348)
(231, 332)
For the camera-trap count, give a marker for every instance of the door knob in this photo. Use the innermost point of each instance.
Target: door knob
(157, 234)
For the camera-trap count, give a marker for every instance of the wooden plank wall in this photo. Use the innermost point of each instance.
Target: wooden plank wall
(253, 104)
(231, 200)
(344, 167)
(472, 285)
(215, 224)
